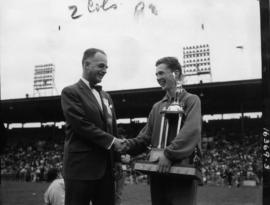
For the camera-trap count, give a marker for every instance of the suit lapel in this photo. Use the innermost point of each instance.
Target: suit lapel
(107, 111)
(91, 97)
(103, 105)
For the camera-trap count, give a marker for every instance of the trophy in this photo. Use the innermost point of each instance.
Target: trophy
(171, 119)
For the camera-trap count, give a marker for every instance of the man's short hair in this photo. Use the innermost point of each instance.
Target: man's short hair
(52, 174)
(91, 52)
(171, 62)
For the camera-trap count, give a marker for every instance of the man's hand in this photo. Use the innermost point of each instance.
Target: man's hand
(122, 145)
(118, 144)
(125, 158)
(128, 143)
(164, 164)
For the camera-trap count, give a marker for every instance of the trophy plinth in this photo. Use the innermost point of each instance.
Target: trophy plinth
(178, 170)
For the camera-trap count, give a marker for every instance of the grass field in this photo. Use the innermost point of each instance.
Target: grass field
(23, 193)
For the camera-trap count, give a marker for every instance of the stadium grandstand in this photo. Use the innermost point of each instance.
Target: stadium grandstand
(231, 147)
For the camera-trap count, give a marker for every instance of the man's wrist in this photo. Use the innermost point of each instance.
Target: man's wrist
(166, 154)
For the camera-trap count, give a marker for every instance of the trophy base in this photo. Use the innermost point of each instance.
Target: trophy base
(150, 167)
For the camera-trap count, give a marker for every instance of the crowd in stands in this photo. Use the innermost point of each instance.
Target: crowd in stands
(31, 162)
(228, 159)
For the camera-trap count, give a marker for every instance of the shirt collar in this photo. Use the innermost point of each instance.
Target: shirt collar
(86, 82)
(168, 98)
(97, 87)
(165, 98)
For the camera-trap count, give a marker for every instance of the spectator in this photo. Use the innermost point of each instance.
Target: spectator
(55, 194)
(242, 154)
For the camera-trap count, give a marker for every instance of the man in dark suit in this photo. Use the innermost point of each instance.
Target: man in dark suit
(90, 136)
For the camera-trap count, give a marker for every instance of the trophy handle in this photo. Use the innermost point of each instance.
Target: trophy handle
(178, 124)
(166, 134)
(161, 129)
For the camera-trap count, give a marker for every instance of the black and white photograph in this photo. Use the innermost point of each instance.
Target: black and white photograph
(135, 102)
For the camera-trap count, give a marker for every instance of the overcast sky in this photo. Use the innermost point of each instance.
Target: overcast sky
(36, 32)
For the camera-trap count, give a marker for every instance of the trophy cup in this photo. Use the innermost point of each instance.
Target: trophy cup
(171, 119)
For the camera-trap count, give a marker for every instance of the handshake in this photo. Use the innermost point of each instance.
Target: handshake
(122, 145)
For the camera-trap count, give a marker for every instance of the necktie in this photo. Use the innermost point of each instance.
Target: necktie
(96, 87)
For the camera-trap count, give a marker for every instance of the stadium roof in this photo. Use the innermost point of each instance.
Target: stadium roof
(219, 97)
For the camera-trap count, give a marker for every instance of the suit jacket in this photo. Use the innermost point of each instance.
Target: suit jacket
(89, 132)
